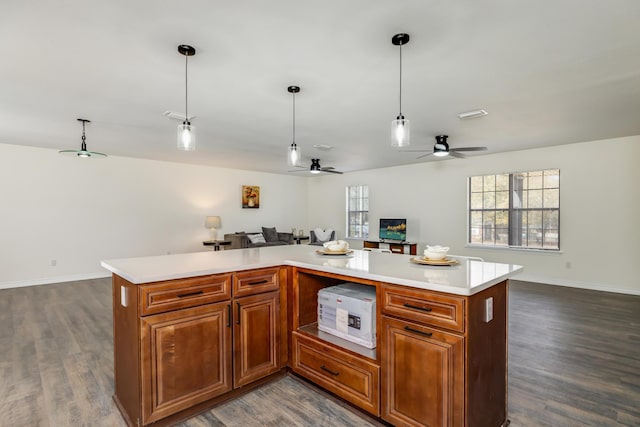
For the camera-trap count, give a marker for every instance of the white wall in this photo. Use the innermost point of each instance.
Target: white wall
(81, 211)
(600, 208)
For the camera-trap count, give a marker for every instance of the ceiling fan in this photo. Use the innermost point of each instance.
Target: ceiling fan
(316, 168)
(441, 149)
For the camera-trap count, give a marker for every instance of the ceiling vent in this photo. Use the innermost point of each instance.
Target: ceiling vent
(177, 116)
(323, 147)
(472, 114)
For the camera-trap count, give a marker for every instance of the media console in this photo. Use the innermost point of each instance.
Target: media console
(394, 246)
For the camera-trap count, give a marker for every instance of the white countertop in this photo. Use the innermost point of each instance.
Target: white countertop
(466, 278)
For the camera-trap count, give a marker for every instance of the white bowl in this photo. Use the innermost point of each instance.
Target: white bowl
(436, 252)
(336, 246)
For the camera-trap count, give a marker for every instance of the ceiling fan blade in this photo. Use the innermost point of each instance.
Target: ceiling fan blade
(299, 170)
(330, 170)
(425, 155)
(468, 149)
(458, 155)
(414, 151)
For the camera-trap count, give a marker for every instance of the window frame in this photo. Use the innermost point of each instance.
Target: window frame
(363, 197)
(518, 236)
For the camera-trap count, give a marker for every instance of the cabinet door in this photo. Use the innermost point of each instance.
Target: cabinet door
(256, 337)
(186, 358)
(423, 375)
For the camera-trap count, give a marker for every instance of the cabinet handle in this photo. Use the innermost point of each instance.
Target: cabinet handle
(228, 315)
(189, 294)
(334, 373)
(238, 319)
(415, 307)
(426, 334)
(258, 282)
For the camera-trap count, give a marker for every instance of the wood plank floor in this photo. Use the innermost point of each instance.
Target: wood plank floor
(574, 360)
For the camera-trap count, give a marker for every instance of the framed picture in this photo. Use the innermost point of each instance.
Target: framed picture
(250, 197)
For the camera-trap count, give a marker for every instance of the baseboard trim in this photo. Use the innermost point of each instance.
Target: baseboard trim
(50, 280)
(573, 284)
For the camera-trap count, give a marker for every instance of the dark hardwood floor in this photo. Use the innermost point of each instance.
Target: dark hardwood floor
(574, 360)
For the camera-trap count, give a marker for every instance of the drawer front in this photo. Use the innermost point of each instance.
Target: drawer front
(255, 282)
(445, 311)
(351, 378)
(161, 297)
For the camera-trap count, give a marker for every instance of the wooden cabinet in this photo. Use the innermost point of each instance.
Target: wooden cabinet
(181, 344)
(353, 378)
(394, 247)
(256, 337)
(423, 375)
(443, 364)
(186, 359)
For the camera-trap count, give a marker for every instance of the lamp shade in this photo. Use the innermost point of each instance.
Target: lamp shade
(186, 136)
(212, 222)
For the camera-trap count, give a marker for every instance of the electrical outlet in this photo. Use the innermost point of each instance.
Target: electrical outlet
(568, 264)
(488, 310)
(54, 263)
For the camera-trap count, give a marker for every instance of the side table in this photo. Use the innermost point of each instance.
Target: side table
(298, 239)
(216, 243)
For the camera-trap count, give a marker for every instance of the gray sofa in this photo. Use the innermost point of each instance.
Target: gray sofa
(240, 240)
(313, 239)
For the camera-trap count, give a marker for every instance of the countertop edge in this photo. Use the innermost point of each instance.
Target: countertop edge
(348, 273)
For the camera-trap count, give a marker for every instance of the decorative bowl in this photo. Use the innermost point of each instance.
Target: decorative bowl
(436, 252)
(336, 245)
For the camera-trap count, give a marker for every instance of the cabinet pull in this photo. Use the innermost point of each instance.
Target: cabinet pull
(189, 294)
(426, 334)
(334, 373)
(238, 319)
(258, 282)
(228, 315)
(415, 307)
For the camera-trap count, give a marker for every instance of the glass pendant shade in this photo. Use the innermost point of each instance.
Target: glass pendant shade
(400, 132)
(186, 136)
(294, 155)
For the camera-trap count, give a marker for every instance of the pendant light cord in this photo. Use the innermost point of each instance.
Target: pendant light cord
(294, 118)
(186, 89)
(400, 80)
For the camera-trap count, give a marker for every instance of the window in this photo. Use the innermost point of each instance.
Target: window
(358, 211)
(519, 210)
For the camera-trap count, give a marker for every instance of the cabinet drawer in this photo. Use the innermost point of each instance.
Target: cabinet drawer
(255, 282)
(445, 311)
(353, 379)
(160, 297)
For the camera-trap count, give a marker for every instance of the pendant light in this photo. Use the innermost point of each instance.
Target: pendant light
(294, 156)
(83, 152)
(400, 127)
(186, 132)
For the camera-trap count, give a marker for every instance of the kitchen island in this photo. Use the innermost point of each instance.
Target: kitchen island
(191, 330)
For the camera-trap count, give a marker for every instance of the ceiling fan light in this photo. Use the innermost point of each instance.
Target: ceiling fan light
(400, 132)
(294, 156)
(440, 153)
(83, 152)
(315, 166)
(186, 137)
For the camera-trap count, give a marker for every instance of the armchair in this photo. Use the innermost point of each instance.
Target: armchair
(313, 239)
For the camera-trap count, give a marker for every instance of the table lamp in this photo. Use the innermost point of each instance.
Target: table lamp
(213, 222)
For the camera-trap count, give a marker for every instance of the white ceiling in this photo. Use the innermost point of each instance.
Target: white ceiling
(548, 72)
